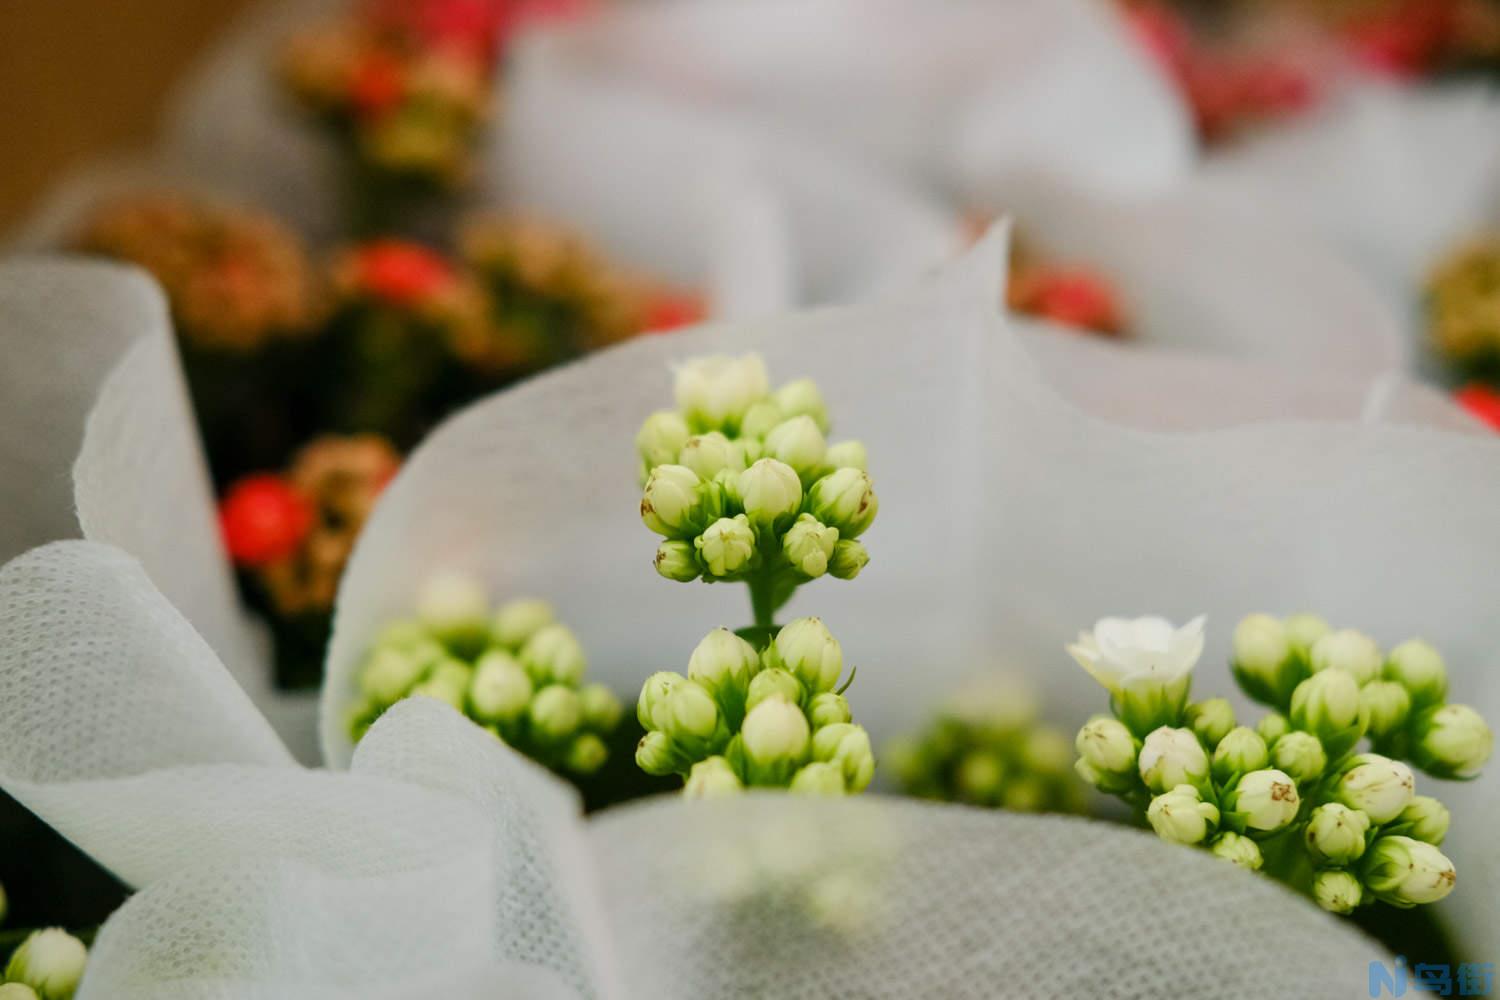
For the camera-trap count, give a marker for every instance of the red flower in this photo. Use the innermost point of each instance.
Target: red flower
(400, 273)
(668, 312)
(1405, 42)
(263, 519)
(1482, 401)
(1070, 296)
(1165, 36)
(377, 86)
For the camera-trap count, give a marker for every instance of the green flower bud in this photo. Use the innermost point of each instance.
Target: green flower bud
(657, 755)
(1262, 660)
(1180, 816)
(1109, 749)
(518, 621)
(1406, 872)
(1335, 834)
(1419, 668)
(1327, 705)
(979, 777)
(49, 961)
(1239, 752)
(1452, 741)
(1301, 755)
(847, 455)
(1348, 650)
(771, 493)
(727, 546)
(455, 608)
(810, 652)
(714, 393)
(672, 504)
(1046, 751)
(1263, 801)
(1303, 630)
(586, 754)
(1273, 727)
(844, 499)
(819, 778)
(809, 545)
(17, 991)
(1337, 891)
(1376, 785)
(1424, 818)
(401, 635)
(773, 682)
(849, 557)
(653, 698)
(554, 655)
(776, 740)
(500, 689)
(359, 717)
(1171, 757)
(759, 420)
(802, 398)
(661, 438)
(799, 443)
(555, 713)
(712, 778)
(1237, 849)
(677, 560)
(1211, 720)
(389, 674)
(710, 454)
(848, 746)
(691, 717)
(1386, 705)
(828, 709)
(601, 709)
(448, 683)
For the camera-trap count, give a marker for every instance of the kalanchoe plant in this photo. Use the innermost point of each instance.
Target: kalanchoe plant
(987, 748)
(769, 718)
(743, 485)
(1295, 795)
(517, 672)
(48, 965)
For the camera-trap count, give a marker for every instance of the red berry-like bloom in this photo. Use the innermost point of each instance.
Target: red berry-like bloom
(402, 274)
(377, 86)
(668, 312)
(263, 519)
(1070, 296)
(1482, 401)
(1404, 42)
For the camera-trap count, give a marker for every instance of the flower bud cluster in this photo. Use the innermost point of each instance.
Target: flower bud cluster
(742, 483)
(743, 717)
(47, 966)
(987, 748)
(516, 671)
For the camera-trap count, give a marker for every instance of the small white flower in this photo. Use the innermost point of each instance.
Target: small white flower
(1121, 650)
(714, 392)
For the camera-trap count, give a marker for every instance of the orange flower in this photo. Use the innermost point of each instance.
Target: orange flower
(401, 273)
(263, 519)
(1071, 296)
(1482, 401)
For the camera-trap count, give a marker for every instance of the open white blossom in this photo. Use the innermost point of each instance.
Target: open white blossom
(1121, 652)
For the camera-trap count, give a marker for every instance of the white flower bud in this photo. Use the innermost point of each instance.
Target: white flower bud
(828, 709)
(712, 778)
(1264, 801)
(389, 674)
(770, 492)
(1327, 705)
(727, 546)
(1273, 727)
(1424, 818)
(518, 621)
(1453, 741)
(1386, 705)
(554, 655)
(691, 717)
(555, 713)
(657, 755)
(710, 454)
(1348, 650)
(1109, 748)
(808, 546)
(1406, 872)
(799, 444)
(1046, 751)
(601, 709)
(653, 698)
(1337, 891)
(672, 503)
(455, 607)
(1303, 630)
(844, 499)
(401, 635)
(677, 560)
(758, 422)
(803, 398)
(774, 682)
(1181, 816)
(49, 961)
(1211, 720)
(17, 991)
(849, 557)
(1171, 757)
(848, 746)
(1240, 751)
(1262, 659)
(1419, 668)
(1376, 785)
(500, 689)
(847, 455)
(776, 740)
(819, 778)
(1237, 849)
(714, 393)
(661, 438)
(448, 683)
(586, 754)
(1335, 834)
(811, 653)
(1301, 755)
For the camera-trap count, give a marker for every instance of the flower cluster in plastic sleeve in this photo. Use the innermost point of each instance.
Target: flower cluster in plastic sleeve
(743, 485)
(48, 965)
(515, 671)
(1463, 308)
(1297, 795)
(773, 718)
(986, 747)
(236, 279)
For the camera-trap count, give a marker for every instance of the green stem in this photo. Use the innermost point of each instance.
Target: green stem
(763, 600)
